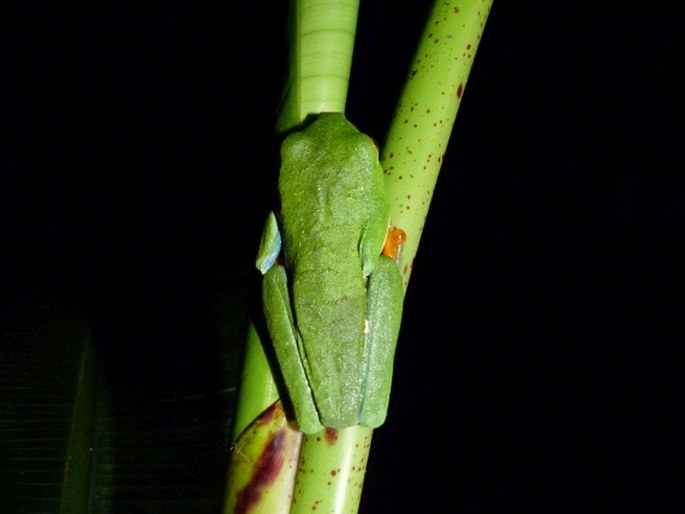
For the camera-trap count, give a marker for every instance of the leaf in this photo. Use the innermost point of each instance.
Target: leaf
(47, 387)
(263, 465)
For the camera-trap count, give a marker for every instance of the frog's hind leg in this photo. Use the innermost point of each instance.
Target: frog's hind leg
(384, 313)
(287, 346)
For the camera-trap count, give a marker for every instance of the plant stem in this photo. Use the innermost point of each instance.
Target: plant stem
(257, 387)
(417, 139)
(322, 36)
(331, 470)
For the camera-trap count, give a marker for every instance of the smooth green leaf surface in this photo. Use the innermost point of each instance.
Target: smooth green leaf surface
(47, 383)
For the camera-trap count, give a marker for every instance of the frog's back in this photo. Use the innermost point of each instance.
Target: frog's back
(331, 189)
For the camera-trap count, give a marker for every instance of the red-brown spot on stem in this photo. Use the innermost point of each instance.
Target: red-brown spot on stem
(460, 90)
(331, 435)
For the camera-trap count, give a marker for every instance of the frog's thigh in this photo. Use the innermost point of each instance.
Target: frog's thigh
(285, 338)
(384, 314)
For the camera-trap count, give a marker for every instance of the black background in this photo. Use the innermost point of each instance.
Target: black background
(538, 367)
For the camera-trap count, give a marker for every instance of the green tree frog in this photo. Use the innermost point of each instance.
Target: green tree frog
(333, 308)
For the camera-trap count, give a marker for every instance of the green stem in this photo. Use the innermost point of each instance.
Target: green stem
(322, 36)
(257, 388)
(331, 470)
(417, 140)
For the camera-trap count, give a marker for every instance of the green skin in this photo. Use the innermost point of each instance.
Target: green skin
(334, 310)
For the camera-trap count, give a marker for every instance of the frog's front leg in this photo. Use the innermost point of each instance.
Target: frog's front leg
(384, 313)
